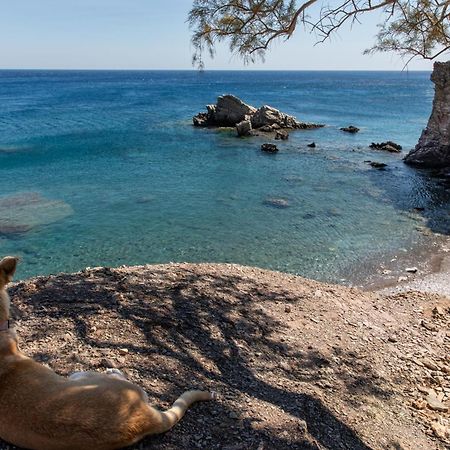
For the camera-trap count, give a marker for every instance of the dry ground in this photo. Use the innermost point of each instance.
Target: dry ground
(297, 364)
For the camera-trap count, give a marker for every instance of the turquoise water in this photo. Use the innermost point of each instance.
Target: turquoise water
(105, 168)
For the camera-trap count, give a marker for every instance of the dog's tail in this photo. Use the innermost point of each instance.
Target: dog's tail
(174, 414)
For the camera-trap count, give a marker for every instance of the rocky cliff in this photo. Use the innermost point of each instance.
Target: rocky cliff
(433, 148)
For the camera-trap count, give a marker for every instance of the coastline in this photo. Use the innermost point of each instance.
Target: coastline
(431, 257)
(334, 364)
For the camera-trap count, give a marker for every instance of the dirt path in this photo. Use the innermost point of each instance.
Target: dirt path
(297, 364)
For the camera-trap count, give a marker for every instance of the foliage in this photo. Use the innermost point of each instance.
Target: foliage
(411, 27)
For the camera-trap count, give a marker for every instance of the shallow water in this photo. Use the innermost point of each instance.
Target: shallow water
(144, 186)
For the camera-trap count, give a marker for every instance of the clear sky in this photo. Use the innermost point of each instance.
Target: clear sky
(153, 34)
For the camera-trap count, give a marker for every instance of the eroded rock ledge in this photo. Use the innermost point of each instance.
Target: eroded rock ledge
(231, 111)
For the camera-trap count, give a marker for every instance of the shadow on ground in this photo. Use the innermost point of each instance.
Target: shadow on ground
(172, 333)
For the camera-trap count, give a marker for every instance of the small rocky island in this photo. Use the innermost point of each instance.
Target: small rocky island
(231, 111)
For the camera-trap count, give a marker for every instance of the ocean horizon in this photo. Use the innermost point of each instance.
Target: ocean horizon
(104, 167)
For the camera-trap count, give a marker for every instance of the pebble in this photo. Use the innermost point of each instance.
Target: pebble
(429, 364)
(438, 311)
(411, 269)
(440, 430)
(419, 404)
(434, 403)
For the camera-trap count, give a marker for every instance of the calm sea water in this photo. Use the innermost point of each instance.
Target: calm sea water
(105, 168)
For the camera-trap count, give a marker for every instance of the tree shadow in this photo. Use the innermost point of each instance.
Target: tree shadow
(186, 329)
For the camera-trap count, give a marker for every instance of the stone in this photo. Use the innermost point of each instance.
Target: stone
(419, 404)
(276, 202)
(400, 279)
(281, 135)
(433, 148)
(312, 145)
(438, 311)
(266, 115)
(377, 165)
(441, 431)
(411, 269)
(434, 403)
(269, 148)
(388, 146)
(350, 129)
(244, 128)
(429, 364)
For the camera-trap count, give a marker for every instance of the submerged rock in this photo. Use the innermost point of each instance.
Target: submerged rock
(388, 146)
(276, 202)
(350, 129)
(232, 111)
(22, 212)
(433, 148)
(269, 148)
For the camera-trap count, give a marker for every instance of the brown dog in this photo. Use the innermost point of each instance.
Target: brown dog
(87, 411)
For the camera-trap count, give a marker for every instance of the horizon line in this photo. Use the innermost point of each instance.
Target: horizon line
(208, 70)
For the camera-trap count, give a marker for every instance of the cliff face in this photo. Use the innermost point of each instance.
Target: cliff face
(433, 148)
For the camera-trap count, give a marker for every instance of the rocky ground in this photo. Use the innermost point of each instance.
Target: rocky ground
(297, 364)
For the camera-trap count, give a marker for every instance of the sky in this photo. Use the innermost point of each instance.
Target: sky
(153, 34)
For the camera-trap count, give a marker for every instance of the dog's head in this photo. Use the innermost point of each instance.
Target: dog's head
(7, 269)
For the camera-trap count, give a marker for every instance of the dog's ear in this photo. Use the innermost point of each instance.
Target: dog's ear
(8, 267)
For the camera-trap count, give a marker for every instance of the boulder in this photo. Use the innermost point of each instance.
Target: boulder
(269, 148)
(231, 110)
(350, 129)
(377, 165)
(266, 115)
(388, 146)
(312, 145)
(228, 112)
(433, 148)
(244, 128)
(281, 135)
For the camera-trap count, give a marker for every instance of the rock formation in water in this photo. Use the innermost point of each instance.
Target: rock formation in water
(231, 111)
(433, 148)
(388, 146)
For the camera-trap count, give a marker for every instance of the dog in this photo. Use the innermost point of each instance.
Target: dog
(86, 411)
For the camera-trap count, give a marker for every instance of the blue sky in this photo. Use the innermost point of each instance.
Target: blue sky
(153, 34)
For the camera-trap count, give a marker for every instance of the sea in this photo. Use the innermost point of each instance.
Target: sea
(105, 168)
